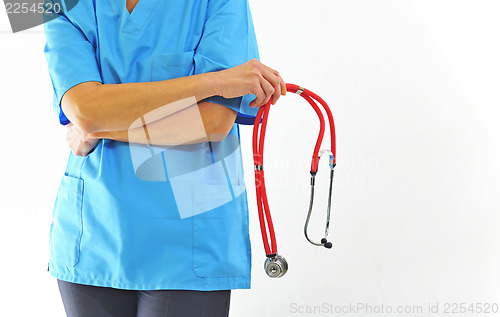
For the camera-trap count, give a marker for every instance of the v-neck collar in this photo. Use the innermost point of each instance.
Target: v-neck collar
(133, 23)
(133, 7)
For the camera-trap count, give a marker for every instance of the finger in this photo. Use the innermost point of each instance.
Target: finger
(259, 98)
(269, 91)
(82, 152)
(86, 148)
(277, 92)
(283, 86)
(260, 95)
(252, 104)
(277, 74)
(274, 82)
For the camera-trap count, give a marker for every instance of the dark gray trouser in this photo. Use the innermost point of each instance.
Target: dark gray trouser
(93, 301)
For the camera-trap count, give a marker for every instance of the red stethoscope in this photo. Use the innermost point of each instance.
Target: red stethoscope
(276, 265)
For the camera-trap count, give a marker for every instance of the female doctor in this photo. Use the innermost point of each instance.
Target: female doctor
(151, 216)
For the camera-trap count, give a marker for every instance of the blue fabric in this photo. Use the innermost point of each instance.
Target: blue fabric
(179, 218)
(245, 119)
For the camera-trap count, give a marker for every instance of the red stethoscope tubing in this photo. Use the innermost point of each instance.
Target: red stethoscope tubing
(258, 154)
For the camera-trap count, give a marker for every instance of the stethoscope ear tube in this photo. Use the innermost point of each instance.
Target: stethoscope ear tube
(324, 242)
(276, 265)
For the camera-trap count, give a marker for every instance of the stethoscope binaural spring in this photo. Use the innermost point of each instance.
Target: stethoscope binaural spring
(275, 264)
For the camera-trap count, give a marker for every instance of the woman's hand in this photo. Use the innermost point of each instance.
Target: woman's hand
(81, 144)
(252, 77)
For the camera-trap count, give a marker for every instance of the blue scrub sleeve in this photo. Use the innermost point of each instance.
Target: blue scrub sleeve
(71, 58)
(228, 40)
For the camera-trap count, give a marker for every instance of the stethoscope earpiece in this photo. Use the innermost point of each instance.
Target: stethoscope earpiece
(326, 244)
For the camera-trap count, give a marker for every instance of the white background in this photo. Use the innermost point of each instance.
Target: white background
(414, 88)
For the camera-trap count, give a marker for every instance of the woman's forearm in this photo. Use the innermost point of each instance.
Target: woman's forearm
(203, 122)
(94, 107)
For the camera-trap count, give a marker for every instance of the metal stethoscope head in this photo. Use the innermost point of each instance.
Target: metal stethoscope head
(275, 265)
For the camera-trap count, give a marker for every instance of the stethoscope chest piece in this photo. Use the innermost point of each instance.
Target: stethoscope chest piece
(275, 266)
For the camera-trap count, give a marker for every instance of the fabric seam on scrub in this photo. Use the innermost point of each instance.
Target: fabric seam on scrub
(108, 283)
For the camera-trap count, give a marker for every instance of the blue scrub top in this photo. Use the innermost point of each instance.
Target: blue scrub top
(141, 217)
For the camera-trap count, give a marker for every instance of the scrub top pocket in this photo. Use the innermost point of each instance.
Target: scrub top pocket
(170, 66)
(66, 228)
(219, 234)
